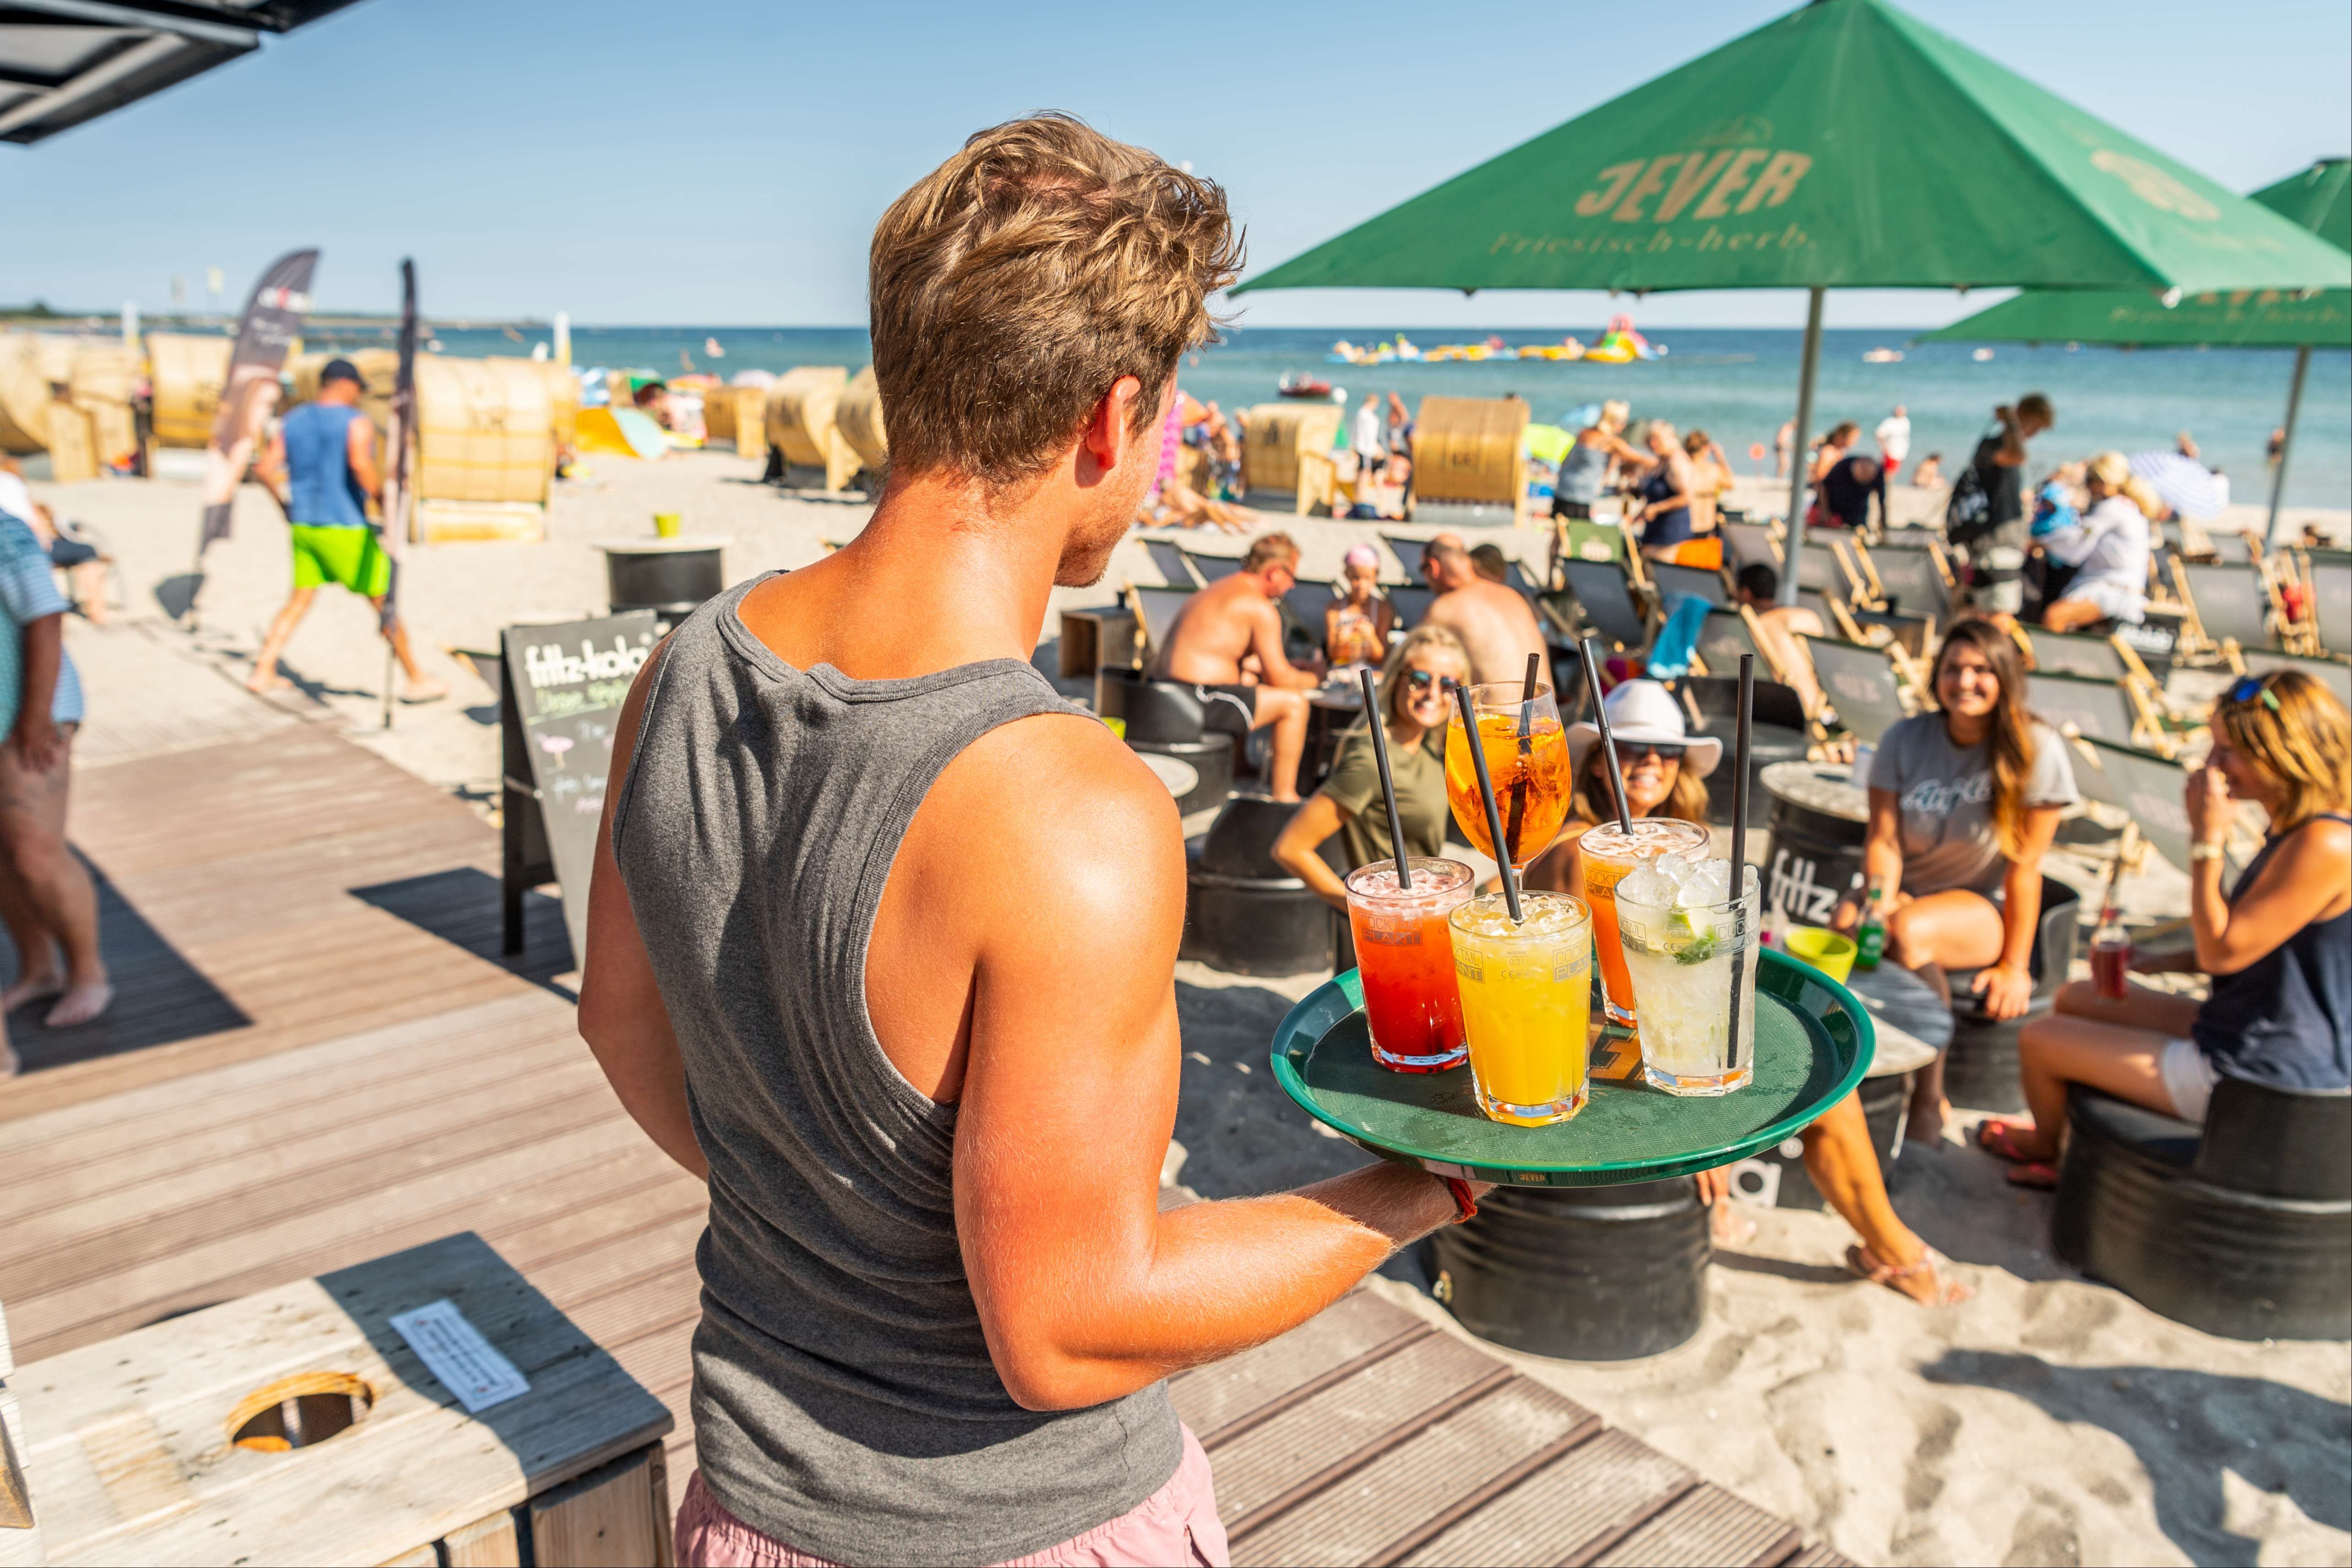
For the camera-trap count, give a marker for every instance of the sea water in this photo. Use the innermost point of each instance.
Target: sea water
(1738, 385)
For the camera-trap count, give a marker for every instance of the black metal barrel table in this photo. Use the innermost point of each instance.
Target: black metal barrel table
(1587, 1248)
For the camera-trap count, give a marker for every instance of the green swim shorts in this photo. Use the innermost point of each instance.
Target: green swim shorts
(345, 555)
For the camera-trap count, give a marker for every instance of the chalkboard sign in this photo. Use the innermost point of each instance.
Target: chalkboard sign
(561, 690)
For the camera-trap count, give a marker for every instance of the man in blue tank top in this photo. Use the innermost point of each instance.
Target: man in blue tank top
(321, 467)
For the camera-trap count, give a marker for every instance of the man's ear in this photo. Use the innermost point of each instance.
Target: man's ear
(1111, 437)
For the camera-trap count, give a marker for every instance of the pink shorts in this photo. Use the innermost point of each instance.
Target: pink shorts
(1177, 1525)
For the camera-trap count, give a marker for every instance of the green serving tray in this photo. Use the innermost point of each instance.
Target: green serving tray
(1814, 1043)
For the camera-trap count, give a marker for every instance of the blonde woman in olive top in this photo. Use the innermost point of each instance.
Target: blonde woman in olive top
(1414, 701)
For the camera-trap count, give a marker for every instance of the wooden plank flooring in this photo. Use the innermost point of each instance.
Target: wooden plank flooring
(269, 893)
(319, 1058)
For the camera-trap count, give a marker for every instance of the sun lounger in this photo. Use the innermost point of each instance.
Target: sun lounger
(1155, 610)
(1211, 568)
(1860, 684)
(2226, 604)
(1678, 579)
(2335, 673)
(2102, 710)
(1175, 566)
(1606, 597)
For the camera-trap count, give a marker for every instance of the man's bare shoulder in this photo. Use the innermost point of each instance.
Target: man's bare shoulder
(1055, 804)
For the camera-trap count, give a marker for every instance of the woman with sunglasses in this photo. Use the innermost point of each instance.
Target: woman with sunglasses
(1662, 770)
(1413, 702)
(2278, 946)
(1964, 802)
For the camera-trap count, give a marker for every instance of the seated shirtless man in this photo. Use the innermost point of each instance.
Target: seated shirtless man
(1780, 627)
(1493, 621)
(1233, 620)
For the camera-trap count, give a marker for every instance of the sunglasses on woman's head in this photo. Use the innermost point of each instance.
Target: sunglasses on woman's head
(2247, 688)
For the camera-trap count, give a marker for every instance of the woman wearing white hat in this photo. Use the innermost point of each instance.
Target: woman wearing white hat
(1663, 770)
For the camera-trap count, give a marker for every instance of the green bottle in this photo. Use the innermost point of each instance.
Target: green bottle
(1870, 940)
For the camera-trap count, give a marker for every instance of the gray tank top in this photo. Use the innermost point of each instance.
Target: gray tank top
(844, 1398)
(1580, 469)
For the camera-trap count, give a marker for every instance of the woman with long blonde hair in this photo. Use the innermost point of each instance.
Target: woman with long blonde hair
(2110, 555)
(1413, 694)
(1964, 802)
(2278, 945)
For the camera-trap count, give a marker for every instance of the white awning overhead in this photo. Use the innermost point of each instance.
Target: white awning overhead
(66, 62)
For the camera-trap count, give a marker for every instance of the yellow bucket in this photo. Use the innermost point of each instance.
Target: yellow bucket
(1827, 951)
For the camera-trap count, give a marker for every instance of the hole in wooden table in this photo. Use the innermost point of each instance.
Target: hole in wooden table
(297, 1411)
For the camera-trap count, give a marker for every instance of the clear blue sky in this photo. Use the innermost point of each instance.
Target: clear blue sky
(723, 162)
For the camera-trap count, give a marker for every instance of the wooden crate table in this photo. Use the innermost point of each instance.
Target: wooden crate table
(128, 1451)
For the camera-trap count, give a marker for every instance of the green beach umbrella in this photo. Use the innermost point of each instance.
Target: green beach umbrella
(2319, 199)
(1843, 145)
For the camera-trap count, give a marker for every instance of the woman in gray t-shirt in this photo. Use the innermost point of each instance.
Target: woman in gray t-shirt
(1963, 805)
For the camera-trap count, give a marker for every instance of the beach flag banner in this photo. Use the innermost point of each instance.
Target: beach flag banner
(273, 319)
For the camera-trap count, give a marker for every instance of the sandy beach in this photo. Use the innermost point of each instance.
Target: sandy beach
(2051, 1420)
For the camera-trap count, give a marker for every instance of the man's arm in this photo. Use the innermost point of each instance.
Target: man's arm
(1265, 641)
(1085, 1291)
(621, 1012)
(359, 449)
(271, 470)
(37, 732)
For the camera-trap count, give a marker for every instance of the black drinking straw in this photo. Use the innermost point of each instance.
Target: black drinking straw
(1388, 782)
(1739, 851)
(1487, 794)
(1608, 744)
(1527, 746)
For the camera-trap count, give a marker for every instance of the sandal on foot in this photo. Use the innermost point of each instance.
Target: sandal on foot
(1997, 1135)
(1866, 1264)
(2038, 1175)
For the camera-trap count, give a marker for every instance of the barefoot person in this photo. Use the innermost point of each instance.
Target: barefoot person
(321, 467)
(883, 934)
(46, 898)
(1664, 773)
(1493, 621)
(2278, 945)
(1233, 620)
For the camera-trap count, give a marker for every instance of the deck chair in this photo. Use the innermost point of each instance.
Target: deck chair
(2073, 653)
(2335, 674)
(1304, 606)
(1747, 543)
(1864, 570)
(1175, 566)
(1155, 610)
(1820, 572)
(1860, 684)
(1729, 632)
(1208, 569)
(2104, 710)
(1590, 540)
(2331, 602)
(1515, 575)
(2225, 604)
(2230, 550)
(1605, 594)
(2147, 788)
(1411, 603)
(1916, 582)
(1408, 555)
(1676, 580)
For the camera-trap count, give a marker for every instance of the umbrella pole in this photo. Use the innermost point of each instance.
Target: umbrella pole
(2287, 441)
(1813, 359)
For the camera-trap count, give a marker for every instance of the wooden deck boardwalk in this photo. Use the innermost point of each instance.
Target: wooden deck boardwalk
(320, 1058)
